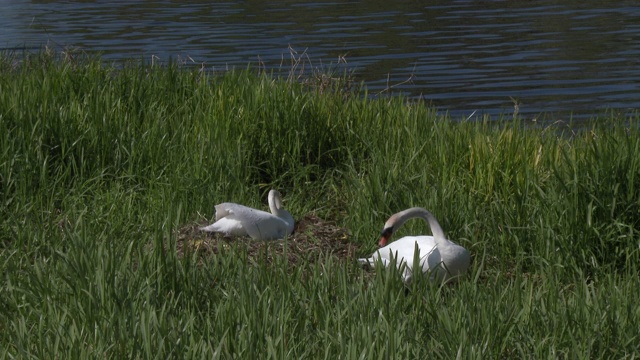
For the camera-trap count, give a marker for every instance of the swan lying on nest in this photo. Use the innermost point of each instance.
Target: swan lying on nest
(240, 220)
(439, 257)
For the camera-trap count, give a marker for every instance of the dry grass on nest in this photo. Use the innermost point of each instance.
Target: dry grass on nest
(313, 238)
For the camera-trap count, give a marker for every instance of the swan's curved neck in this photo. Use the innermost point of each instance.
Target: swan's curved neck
(400, 218)
(275, 203)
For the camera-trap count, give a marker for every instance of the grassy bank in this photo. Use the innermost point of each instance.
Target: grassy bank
(102, 169)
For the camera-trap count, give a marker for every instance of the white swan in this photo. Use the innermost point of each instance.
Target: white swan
(240, 220)
(438, 256)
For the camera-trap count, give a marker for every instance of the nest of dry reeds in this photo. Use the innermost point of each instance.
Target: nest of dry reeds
(313, 238)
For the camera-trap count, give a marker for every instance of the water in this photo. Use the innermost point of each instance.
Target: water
(554, 60)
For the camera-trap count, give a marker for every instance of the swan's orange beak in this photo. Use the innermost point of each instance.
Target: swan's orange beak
(383, 241)
(384, 236)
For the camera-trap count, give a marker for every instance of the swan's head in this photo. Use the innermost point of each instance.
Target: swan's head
(385, 236)
(389, 228)
(396, 220)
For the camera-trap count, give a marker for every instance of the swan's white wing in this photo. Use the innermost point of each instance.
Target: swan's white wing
(226, 225)
(230, 209)
(404, 249)
(226, 222)
(458, 260)
(258, 224)
(404, 252)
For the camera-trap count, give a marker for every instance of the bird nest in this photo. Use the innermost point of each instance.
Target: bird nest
(313, 238)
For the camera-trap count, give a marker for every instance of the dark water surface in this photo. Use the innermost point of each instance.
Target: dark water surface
(555, 59)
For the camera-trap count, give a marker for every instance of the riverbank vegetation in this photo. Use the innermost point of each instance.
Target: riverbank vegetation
(105, 172)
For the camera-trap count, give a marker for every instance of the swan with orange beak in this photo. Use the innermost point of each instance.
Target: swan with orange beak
(438, 256)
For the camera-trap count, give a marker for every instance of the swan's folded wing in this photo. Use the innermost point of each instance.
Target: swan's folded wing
(404, 250)
(267, 227)
(260, 225)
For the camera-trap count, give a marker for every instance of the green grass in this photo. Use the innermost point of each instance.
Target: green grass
(100, 166)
